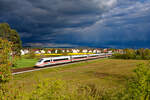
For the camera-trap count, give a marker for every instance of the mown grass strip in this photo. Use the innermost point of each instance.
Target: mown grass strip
(23, 63)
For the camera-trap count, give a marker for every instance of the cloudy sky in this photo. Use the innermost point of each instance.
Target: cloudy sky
(79, 23)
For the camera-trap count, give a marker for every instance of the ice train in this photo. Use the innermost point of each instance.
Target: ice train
(65, 59)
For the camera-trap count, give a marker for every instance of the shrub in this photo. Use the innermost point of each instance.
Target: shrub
(138, 88)
(138, 57)
(61, 90)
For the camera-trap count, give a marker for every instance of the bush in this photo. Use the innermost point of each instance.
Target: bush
(60, 90)
(138, 57)
(52, 89)
(138, 88)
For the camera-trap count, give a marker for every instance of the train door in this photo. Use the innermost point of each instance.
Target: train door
(70, 58)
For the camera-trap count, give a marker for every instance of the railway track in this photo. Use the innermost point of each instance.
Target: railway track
(31, 69)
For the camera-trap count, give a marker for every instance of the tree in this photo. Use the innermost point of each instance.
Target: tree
(5, 50)
(5, 72)
(147, 54)
(4, 28)
(129, 54)
(15, 39)
(53, 50)
(11, 35)
(141, 52)
(59, 51)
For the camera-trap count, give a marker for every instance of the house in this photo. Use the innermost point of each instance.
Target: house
(90, 51)
(37, 52)
(22, 52)
(105, 50)
(94, 51)
(42, 51)
(68, 50)
(49, 51)
(98, 51)
(63, 51)
(74, 51)
(56, 51)
(85, 51)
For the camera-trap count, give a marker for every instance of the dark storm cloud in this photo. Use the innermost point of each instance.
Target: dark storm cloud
(67, 7)
(78, 22)
(126, 26)
(44, 17)
(4, 6)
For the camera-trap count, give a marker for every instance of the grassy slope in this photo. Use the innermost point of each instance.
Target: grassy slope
(106, 73)
(22, 63)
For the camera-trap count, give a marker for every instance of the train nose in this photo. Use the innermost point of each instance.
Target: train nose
(37, 64)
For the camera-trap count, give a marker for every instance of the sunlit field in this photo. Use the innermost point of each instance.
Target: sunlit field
(105, 73)
(23, 62)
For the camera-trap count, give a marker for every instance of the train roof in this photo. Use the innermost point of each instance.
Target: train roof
(67, 56)
(55, 57)
(79, 55)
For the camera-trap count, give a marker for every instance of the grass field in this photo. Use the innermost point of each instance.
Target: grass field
(105, 73)
(22, 63)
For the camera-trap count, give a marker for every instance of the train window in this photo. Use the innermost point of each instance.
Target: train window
(94, 55)
(60, 59)
(79, 57)
(40, 60)
(47, 61)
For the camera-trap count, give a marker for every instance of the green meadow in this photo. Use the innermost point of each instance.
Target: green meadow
(105, 73)
(100, 79)
(23, 63)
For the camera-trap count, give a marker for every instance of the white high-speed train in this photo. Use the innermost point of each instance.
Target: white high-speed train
(65, 59)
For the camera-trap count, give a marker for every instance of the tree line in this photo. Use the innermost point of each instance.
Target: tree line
(139, 54)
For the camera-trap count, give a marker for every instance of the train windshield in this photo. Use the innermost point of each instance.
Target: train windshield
(40, 60)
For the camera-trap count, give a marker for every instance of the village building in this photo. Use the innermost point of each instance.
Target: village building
(42, 51)
(56, 51)
(68, 50)
(98, 51)
(74, 51)
(49, 51)
(94, 51)
(85, 51)
(22, 52)
(37, 52)
(90, 51)
(63, 51)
